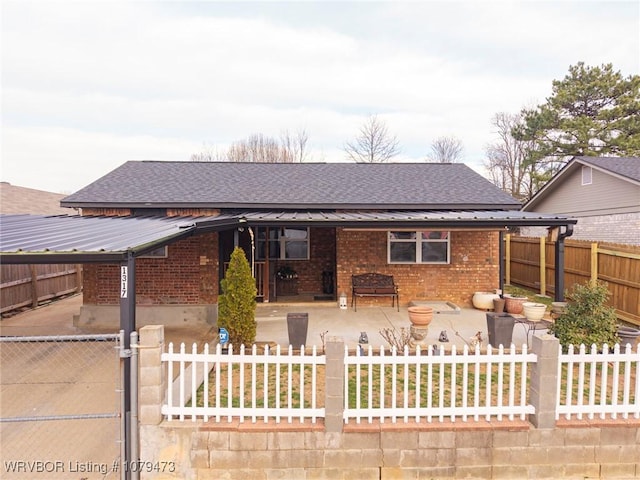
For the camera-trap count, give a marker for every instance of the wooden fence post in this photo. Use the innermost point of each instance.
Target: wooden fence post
(507, 262)
(594, 261)
(34, 285)
(543, 267)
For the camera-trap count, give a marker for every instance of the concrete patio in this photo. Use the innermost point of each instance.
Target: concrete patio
(327, 317)
(57, 319)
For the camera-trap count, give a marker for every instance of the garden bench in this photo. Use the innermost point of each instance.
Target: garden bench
(373, 285)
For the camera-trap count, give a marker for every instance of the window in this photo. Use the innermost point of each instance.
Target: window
(160, 252)
(290, 243)
(428, 246)
(587, 172)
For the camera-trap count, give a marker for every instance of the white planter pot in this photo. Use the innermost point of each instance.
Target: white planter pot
(484, 300)
(533, 311)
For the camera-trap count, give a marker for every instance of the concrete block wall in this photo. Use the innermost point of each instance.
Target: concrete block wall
(500, 451)
(329, 449)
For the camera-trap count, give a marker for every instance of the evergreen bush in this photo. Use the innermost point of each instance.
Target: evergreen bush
(237, 303)
(587, 320)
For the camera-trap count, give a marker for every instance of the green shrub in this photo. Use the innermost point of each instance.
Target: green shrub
(587, 320)
(237, 304)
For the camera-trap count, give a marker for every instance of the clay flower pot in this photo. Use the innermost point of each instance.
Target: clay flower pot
(513, 305)
(420, 316)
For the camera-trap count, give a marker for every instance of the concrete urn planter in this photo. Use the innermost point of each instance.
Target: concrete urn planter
(534, 311)
(484, 300)
(628, 335)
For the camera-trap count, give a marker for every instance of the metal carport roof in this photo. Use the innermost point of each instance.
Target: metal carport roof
(105, 239)
(91, 239)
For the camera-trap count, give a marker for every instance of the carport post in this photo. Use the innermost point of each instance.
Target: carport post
(127, 325)
(559, 261)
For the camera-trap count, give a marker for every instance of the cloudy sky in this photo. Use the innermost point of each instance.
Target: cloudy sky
(88, 85)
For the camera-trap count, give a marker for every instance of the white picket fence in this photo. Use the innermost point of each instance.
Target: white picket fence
(433, 385)
(271, 392)
(599, 383)
(423, 385)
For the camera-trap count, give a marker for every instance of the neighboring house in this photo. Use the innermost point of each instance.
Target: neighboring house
(602, 193)
(14, 199)
(435, 227)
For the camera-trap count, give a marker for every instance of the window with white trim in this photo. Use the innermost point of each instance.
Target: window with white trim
(587, 174)
(288, 243)
(427, 246)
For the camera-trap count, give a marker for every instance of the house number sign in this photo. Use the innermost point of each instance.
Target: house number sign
(123, 281)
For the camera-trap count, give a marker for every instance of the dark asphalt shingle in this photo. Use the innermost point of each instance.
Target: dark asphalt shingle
(291, 185)
(626, 166)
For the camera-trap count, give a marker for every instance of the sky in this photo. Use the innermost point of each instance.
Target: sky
(88, 85)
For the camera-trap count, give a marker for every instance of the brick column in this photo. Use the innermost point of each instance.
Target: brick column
(152, 376)
(334, 388)
(543, 389)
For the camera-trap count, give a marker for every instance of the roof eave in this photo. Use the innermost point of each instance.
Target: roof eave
(298, 206)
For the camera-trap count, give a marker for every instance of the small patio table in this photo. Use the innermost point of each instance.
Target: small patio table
(531, 326)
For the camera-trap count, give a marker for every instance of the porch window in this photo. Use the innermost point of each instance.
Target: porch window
(429, 246)
(289, 243)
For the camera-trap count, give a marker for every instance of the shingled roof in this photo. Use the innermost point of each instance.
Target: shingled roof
(292, 186)
(628, 167)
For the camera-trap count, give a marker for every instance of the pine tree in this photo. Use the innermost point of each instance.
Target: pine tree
(593, 111)
(237, 304)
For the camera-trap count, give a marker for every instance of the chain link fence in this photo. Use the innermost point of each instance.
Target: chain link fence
(60, 408)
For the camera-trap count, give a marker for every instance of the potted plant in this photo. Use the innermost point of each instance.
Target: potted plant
(286, 273)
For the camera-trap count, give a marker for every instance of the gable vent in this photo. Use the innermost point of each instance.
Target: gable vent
(587, 173)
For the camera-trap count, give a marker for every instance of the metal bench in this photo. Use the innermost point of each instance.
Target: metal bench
(373, 285)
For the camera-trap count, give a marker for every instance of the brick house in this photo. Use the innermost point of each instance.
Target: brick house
(436, 228)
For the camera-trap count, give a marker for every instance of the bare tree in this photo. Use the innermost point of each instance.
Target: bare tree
(446, 150)
(209, 153)
(260, 148)
(373, 144)
(256, 148)
(508, 159)
(294, 148)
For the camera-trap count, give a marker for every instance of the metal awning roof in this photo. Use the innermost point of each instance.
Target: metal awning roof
(77, 239)
(407, 219)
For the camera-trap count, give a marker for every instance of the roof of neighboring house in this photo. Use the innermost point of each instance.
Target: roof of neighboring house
(14, 199)
(158, 184)
(625, 168)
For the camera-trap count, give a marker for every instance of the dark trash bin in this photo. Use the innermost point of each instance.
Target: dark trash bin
(297, 325)
(500, 328)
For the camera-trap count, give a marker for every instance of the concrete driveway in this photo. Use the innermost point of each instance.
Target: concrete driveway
(71, 378)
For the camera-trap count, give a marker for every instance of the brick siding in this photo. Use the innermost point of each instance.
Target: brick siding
(474, 267)
(189, 275)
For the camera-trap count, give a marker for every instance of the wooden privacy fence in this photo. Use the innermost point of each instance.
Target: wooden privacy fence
(530, 262)
(28, 285)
